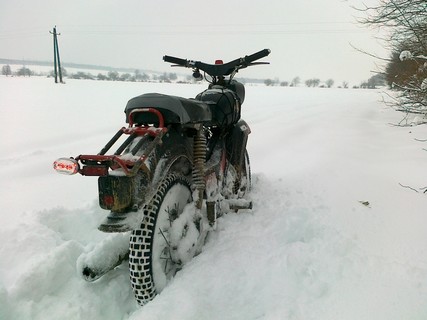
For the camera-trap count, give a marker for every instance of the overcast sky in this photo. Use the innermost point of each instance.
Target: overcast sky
(308, 38)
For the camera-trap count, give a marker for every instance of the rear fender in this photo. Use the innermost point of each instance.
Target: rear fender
(236, 144)
(177, 162)
(172, 155)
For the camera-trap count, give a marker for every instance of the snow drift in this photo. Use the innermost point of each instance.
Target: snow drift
(333, 233)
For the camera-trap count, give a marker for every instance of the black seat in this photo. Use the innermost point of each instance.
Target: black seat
(175, 110)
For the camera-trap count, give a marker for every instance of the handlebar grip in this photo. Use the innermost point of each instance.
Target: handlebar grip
(258, 55)
(179, 61)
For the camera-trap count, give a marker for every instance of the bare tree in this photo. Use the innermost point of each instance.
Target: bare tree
(24, 71)
(406, 21)
(295, 82)
(312, 82)
(6, 70)
(113, 75)
(268, 82)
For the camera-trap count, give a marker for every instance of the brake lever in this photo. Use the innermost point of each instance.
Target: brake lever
(256, 63)
(245, 65)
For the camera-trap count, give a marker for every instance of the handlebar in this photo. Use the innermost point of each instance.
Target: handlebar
(178, 61)
(219, 69)
(258, 55)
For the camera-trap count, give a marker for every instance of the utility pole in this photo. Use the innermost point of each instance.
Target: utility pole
(56, 59)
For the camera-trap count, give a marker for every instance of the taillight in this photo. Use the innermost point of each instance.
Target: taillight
(66, 166)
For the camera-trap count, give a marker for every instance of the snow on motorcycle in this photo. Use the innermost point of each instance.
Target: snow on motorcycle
(180, 164)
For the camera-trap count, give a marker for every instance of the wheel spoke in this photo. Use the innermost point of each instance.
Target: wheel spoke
(164, 237)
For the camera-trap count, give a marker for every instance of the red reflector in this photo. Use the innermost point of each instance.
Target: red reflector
(66, 166)
(219, 62)
(108, 201)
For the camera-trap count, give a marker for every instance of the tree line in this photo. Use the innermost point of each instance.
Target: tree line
(23, 71)
(137, 76)
(373, 82)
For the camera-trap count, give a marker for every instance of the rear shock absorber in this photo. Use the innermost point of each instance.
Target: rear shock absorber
(199, 159)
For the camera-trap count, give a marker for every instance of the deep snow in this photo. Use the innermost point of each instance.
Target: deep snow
(310, 249)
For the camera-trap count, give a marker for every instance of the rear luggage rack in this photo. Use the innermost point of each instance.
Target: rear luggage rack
(99, 164)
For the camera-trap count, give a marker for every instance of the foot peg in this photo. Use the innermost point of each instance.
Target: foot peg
(211, 213)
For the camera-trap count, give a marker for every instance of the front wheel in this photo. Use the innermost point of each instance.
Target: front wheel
(245, 178)
(170, 234)
(242, 179)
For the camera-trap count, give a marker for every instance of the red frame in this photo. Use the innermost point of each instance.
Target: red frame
(114, 161)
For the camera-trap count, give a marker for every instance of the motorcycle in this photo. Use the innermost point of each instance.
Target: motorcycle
(183, 163)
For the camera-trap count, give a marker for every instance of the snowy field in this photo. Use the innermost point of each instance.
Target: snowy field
(310, 249)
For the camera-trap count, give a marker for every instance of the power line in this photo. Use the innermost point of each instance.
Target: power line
(287, 28)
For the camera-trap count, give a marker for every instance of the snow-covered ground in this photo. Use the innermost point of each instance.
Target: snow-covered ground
(310, 249)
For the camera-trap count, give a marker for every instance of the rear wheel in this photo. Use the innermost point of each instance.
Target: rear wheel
(170, 234)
